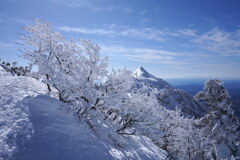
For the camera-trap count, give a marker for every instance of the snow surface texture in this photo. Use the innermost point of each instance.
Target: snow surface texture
(177, 99)
(170, 97)
(60, 136)
(40, 128)
(14, 117)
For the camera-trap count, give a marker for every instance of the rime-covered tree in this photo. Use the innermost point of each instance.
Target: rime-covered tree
(219, 127)
(14, 69)
(70, 67)
(79, 73)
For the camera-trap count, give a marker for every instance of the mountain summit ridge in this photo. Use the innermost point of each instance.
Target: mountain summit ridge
(168, 96)
(141, 72)
(142, 75)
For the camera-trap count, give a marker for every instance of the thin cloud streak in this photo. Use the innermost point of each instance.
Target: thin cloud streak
(187, 32)
(87, 31)
(121, 49)
(213, 42)
(92, 5)
(219, 41)
(143, 33)
(116, 49)
(143, 55)
(148, 55)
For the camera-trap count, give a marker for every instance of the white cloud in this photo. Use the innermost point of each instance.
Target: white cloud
(87, 31)
(187, 32)
(145, 55)
(146, 33)
(219, 41)
(214, 41)
(76, 3)
(142, 33)
(149, 55)
(121, 49)
(93, 5)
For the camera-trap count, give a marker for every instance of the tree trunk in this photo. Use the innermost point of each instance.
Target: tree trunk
(49, 88)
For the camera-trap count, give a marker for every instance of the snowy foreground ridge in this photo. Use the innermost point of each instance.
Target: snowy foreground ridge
(33, 125)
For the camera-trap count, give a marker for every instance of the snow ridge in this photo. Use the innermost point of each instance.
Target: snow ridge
(168, 96)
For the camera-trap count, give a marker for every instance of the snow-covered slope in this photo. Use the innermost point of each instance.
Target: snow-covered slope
(57, 135)
(34, 125)
(14, 116)
(177, 99)
(168, 96)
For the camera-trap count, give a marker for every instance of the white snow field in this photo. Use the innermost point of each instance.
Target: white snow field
(36, 126)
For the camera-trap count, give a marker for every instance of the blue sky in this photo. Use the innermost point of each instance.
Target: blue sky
(169, 38)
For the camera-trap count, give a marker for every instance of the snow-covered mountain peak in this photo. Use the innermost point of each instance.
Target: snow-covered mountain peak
(142, 73)
(168, 96)
(142, 76)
